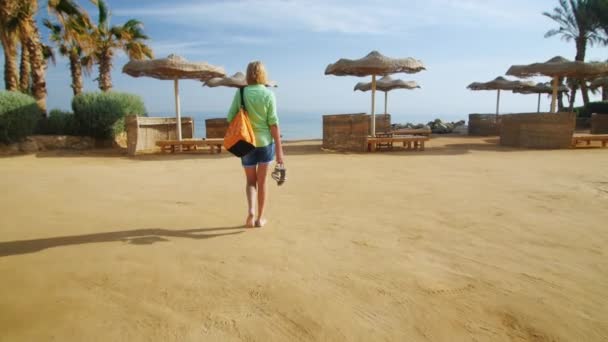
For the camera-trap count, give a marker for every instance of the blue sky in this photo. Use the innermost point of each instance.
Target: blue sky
(460, 41)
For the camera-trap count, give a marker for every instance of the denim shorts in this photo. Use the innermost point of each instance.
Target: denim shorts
(260, 155)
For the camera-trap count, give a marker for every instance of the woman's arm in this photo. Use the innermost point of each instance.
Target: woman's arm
(276, 135)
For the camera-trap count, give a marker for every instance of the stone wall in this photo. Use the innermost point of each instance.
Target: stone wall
(533, 130)
(484, 124)
(383, 123)
(599, 124)
(216, 128)
(345, 132)
(39, 143)
(348, 132)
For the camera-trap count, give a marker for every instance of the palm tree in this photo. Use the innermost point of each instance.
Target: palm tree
(23, 15)
(69, 35)
(8, 37)
(128, 37)
(576, 19)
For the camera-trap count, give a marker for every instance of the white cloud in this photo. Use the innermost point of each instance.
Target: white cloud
(310, 15)
(194, 49)
(348, 17)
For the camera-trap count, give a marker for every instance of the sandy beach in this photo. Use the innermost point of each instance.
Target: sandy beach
(466, 241)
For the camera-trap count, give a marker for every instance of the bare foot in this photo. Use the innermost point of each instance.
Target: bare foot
(260, 223)
(249, 223)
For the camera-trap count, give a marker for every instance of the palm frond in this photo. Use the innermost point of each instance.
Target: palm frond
(55, 28)
(67, 8)
(104, 14)
(48, 53)
(87, 64)
(132, 23)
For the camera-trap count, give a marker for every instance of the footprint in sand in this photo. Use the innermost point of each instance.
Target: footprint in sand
(443, 284)
(361, 243)
(258, 295)
(520, 330)
(448, 291)
(602, 187)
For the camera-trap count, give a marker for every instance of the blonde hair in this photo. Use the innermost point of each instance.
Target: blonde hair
(256, 73)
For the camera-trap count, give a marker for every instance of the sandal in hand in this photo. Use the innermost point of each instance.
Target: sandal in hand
(279, 174)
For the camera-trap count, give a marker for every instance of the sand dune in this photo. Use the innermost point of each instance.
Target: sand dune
(463, 242)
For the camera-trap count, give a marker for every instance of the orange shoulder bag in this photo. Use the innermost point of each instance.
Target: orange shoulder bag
(239, 139)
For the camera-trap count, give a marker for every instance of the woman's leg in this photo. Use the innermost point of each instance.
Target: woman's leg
(261, 186)
(250, 174)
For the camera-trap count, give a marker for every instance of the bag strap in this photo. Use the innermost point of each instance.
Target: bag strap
(243, 106)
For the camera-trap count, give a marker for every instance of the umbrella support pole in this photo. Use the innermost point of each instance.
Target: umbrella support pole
(554, 95)
(177, 111)
(373, 117)
(386, 125)
(497, 101)
(385, 102)
(538, 106)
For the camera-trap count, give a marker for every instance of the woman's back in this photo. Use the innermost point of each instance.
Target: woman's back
(261, 105)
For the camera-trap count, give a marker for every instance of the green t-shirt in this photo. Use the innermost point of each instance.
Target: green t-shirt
(262, 108)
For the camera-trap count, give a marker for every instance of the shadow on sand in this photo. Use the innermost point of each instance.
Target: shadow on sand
(135, 237)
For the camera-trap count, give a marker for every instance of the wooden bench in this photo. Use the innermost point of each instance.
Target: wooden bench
(409, 141)
(190, 144)
(588, 138)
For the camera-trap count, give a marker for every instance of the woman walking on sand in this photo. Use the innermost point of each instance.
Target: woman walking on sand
(261, 107)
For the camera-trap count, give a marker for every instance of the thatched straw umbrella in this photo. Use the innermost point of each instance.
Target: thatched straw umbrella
(558, 67)
(173, 68)
(386, 84)
(601, 82)
(374, 64)
(498, 84)
(540, 88)
(238, 80)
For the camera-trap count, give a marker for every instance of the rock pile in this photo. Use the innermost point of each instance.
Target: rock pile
(436, 126)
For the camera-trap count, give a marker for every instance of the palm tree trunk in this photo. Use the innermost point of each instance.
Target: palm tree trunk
(76, 70)
(585, 92)
(25, 70)
(105, 69)
(581, 49)
(9, 46)
(572, 98)
(10, 64)
(30, 32)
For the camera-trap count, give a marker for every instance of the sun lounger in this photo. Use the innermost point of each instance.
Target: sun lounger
(415, 142)
(190, 144)
(588, 138)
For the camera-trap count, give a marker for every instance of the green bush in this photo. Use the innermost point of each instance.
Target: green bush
(592, 107)
(598, 107)
(582, 112)
(60, 123)
(102, 115)
(18, 116)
